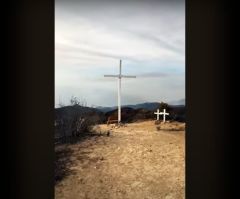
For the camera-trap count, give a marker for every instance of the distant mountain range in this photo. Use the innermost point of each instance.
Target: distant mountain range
(130, 113)
(75, 120)
(147, 105)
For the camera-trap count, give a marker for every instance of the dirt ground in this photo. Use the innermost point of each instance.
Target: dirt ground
(140, 160)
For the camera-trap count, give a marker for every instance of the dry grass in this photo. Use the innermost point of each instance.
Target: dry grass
(135, 161)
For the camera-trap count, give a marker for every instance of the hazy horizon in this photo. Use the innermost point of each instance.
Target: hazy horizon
(83, 101)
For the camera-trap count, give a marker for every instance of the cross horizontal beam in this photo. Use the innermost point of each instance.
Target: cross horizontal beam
(111, 75)
(120, 76)
(128, 76)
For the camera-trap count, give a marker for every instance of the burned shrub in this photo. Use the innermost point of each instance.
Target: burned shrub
(73, 121)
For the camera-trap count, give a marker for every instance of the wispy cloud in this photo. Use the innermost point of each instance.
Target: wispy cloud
(90, 38)
(153, 75)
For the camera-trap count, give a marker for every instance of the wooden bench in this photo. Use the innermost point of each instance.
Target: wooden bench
(111, 121)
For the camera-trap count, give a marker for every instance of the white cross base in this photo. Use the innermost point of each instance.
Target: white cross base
(164, 113)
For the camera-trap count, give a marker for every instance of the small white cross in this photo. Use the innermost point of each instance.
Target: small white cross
(164, 114)
(157, 113)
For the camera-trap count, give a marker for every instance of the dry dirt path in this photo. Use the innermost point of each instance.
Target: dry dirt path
(137, 161)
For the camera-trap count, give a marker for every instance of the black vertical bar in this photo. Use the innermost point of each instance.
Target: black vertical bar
(30, 59)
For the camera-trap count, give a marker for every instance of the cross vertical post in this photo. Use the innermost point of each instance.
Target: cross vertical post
(119, 92)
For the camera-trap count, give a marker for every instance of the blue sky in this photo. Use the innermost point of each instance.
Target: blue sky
(91, 38)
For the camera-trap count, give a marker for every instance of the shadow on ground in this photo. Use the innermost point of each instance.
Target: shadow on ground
(65, 155)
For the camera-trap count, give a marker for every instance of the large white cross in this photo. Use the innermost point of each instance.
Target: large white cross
(119, 76)
(164, 114)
